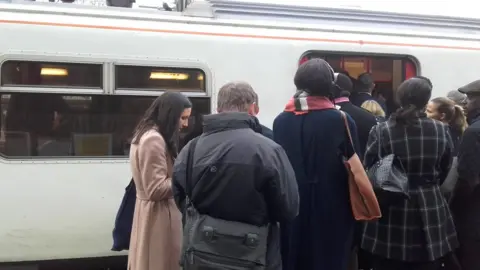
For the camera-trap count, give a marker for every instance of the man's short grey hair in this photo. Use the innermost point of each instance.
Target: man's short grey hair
(236, 97)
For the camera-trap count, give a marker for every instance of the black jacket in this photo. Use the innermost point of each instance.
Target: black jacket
(465, 203)
(238, 174)
(265, 131)
(364, 121)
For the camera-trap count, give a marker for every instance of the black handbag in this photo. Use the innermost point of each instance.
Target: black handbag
(390, 182)
(124, 219)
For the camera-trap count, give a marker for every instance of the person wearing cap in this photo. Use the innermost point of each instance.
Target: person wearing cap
(362, 96)
(465, 203)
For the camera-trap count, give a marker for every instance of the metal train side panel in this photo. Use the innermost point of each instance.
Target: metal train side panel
(55, 209)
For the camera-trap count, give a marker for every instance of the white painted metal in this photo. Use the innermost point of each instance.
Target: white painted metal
(54, 209)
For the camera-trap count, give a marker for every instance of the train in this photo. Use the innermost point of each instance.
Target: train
(76, 78)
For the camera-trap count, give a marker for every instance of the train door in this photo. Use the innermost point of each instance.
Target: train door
(388, 71)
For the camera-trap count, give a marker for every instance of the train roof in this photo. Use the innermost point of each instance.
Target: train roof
(432, 19)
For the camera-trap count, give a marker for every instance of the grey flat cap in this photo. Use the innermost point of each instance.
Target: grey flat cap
(457, 97)
(472, 88)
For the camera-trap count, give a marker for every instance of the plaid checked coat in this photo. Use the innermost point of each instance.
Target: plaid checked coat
(419, 229)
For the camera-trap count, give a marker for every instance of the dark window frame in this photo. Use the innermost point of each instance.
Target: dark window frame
(158, 68)
(55, 65)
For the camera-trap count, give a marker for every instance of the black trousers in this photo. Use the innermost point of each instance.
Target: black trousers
(387, 264)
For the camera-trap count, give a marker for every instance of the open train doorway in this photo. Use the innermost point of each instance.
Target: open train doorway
(387, 71)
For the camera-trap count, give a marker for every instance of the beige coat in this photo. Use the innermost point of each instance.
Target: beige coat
(156, 233)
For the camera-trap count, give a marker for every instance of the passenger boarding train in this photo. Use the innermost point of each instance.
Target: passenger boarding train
(75, 80)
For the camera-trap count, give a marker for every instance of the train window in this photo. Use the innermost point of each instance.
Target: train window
(54, 125)
(159, 78)
(49, 74)
(387, 71)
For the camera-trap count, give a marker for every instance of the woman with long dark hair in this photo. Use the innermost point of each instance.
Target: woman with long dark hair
(156, 237)
(413, 233)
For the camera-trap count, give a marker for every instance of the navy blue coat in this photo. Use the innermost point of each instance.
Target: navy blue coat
(321, 237)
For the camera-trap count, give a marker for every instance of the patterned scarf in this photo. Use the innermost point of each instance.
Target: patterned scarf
(302, 103)
(342, 99)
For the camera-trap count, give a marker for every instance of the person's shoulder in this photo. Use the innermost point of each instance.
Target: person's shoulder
(474, 127)
(359, 111)
(388, 124)
(435, 123)
(282, 116)
(151, 136)
(472, 130)
(151, 141)
(267, 132)
(261, 140)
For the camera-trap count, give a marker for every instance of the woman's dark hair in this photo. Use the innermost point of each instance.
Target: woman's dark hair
(412, 95)
(315, 77)
(426, 79)
(453, 113)
(164, 114)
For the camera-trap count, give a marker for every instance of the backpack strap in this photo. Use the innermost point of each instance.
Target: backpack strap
(188, 172)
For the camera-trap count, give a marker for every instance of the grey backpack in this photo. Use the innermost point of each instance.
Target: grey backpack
(214, 244)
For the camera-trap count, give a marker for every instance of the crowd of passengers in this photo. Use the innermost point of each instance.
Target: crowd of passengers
(242, 196)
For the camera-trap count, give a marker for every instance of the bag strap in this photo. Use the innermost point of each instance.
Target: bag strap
(349, 134)
(347, 126)
(188, 170)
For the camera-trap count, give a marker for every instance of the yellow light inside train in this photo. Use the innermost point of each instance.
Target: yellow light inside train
(200, 77)
(168, 76)
(54, 72)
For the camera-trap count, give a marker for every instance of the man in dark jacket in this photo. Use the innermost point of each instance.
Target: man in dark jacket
(363, 92)
(465, 203)
(239, 174)
(363, 119)
(265, 131)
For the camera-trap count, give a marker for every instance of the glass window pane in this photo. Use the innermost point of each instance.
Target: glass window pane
(48, 74)
(159, 78)
(53, 125)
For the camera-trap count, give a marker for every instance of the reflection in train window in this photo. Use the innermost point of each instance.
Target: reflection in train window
(53, 125)
(159, 78)
(387, 71)
(48, 74)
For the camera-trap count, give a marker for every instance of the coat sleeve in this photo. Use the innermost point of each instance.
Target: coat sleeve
(153, 168)
(179, 177)
(281, 192)
(468, 161)
(371, 151)
(447, 157)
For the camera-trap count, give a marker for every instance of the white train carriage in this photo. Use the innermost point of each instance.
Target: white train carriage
(75, 79)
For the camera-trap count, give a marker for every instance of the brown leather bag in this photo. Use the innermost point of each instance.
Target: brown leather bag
(362, 197)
